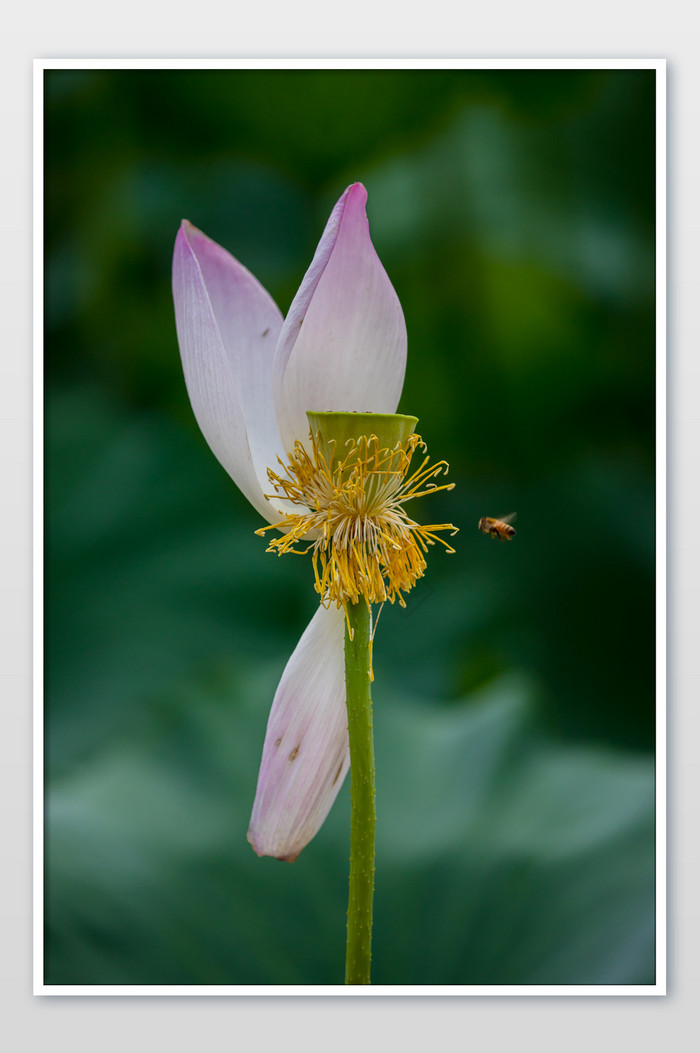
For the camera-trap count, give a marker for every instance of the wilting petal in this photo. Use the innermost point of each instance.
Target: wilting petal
(305, 755)
(227, 327)
(343, 343)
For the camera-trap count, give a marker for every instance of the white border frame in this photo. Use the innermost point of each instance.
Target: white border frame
(39, 987)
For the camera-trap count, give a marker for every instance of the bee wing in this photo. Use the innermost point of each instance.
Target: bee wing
(509, 518)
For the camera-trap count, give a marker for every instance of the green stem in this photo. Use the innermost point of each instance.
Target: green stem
(363, 817)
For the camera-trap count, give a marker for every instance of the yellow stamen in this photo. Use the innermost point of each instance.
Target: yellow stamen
(352, 518)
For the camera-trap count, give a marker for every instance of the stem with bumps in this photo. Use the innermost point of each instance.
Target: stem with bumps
(362, 792)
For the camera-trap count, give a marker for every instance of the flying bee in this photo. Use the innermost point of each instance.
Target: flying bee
(499, 528)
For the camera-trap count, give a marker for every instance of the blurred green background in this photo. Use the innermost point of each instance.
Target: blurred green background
(514, 698)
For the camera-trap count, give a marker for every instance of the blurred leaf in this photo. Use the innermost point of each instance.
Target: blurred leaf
(525, 860)
(502, 857)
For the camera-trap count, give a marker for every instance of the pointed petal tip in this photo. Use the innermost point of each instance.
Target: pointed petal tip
(358, 192)
(182, 232)
(192, 234)
(198, 243)
(187, 235)
(353, 204)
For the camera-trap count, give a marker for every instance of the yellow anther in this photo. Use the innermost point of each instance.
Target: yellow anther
(352, 518)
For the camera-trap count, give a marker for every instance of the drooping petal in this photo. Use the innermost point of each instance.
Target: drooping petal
(227, 327)
(343, 343)
(305, 755)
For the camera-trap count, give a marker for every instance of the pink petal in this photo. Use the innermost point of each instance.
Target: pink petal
(227, 327)
(343, 343)
(305, 755)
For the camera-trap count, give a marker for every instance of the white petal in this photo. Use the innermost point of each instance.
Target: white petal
(227, 327)
(306, 754)
(343, 343)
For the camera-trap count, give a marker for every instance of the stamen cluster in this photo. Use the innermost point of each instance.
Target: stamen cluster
(364, 544)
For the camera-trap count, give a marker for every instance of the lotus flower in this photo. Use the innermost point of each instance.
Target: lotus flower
(251, 377)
